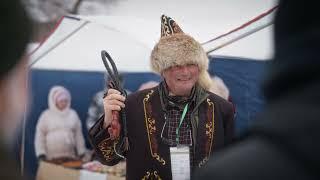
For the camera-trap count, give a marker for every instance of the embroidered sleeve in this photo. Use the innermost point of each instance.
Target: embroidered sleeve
(103, 145)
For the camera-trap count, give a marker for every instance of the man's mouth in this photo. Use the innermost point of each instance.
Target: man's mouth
(184, 79)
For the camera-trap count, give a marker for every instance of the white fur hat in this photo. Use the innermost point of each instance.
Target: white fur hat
(177, 48)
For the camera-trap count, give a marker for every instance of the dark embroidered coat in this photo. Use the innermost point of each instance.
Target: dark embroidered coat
(148, 156)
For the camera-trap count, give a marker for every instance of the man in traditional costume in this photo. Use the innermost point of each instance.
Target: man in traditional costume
(177, 117)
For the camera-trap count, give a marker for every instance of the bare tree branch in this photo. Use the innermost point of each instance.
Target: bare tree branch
(45, 13)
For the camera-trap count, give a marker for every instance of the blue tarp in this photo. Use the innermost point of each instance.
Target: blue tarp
(242, 77)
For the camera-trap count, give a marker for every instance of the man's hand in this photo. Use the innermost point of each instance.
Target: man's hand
(113, 103)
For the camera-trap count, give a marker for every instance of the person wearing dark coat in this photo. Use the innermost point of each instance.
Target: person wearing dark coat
(283, 141)
(15, 33)
(180, 111)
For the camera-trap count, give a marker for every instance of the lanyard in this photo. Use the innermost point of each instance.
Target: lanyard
(181, 120)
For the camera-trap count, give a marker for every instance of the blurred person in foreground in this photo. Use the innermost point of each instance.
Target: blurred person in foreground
(15, 33)
(178, 118)
(283, 143)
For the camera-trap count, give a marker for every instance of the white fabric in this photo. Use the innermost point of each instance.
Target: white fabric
(87, 175)
(76, 45)
(219, 88)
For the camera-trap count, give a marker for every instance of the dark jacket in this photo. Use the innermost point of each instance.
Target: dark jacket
(149, 156)
(283, 143)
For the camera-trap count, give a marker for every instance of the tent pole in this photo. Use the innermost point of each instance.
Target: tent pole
(240, 37)
(56, 45)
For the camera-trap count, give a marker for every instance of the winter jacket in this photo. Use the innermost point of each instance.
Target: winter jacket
(148, 156)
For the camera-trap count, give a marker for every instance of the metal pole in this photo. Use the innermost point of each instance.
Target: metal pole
(240, 37)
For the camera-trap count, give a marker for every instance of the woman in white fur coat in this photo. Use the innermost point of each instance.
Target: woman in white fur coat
(58, 132)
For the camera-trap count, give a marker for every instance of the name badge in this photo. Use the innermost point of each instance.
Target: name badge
(180, 162)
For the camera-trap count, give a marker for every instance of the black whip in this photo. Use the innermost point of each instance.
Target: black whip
(116, 84)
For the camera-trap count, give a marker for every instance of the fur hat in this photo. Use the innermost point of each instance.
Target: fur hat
(177, 48)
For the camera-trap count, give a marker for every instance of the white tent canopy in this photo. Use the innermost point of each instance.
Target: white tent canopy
(77, 41)
(76, 45)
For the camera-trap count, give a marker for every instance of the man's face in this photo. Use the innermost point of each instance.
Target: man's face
(181, 79)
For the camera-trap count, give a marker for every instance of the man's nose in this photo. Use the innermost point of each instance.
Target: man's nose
(183, 69)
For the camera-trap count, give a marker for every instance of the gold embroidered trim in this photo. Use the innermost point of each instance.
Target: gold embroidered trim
(152, 125)
(151, 129)
(155, 173)
(150, 175)
(146, 176)
(106, 150)
(210, 127)
(204, 160)
(209, 133)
